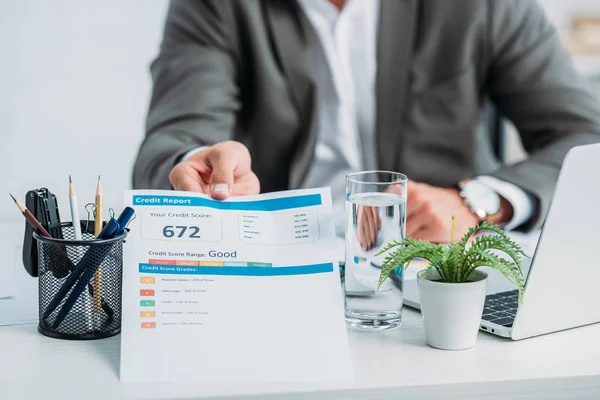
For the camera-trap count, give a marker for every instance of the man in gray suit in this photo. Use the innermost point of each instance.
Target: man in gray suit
(280, 94)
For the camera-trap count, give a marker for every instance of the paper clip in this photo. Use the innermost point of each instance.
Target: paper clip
(111, 212)
(91, 212)
(129, 223)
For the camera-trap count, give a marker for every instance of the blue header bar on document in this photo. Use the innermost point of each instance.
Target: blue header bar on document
(284, 203)
(236, 271)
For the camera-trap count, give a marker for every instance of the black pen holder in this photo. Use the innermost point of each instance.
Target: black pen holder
(95, 312)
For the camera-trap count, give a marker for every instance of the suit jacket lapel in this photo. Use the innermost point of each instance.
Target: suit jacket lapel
(293, 41)
(397, 29)
(294, 44)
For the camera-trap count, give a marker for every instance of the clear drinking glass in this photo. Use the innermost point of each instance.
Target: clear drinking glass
(375, 215)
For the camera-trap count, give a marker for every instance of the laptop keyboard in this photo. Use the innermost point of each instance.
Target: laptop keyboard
(501, 308)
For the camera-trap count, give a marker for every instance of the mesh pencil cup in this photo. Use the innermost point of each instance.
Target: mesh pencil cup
(70, 304)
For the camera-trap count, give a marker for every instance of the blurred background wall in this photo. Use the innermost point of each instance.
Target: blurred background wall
(74, 87)
(584, 43)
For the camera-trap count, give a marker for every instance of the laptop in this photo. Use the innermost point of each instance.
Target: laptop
(562, 289)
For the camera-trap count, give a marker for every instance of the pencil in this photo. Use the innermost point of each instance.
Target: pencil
(74, 210)
(86, 268)
(31, 219)
(42, 231)
(97, 230)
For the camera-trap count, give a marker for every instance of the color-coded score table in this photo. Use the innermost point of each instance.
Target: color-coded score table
(184, 263)
(172, 293)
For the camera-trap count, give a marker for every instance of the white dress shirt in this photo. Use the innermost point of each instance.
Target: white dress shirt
(346, 66)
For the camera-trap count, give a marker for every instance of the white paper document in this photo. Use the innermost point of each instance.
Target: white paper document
(246, 289)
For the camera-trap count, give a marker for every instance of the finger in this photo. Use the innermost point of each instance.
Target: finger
(242, 155)
(378, 219)
(415, 207)
(415, 211)
(223, 163)
(246, 185)
(376, 224)
(411, 186)
(361, 229)
(416, 198)
(396, 189)
(362, 237)
(184, 176)
(418, 221)
(432, 233)
(413, 225)
(422, 225)
(369, 225)
(423, 234)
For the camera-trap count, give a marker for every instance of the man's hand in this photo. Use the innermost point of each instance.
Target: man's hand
(368, 226)
(429, 213)
(221, 170)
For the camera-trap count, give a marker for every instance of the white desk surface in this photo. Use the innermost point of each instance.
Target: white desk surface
(390, 365)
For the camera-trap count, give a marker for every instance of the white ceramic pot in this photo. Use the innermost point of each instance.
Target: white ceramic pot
(451, 311)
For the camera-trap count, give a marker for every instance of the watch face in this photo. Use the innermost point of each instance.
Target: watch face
(481, 196)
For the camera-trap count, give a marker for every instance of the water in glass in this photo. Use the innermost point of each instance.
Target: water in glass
(373, 220)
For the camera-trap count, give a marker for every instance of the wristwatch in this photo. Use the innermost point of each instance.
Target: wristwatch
(483, 201)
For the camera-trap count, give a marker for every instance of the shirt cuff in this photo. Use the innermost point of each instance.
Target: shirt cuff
(192, 152)
(522, 203)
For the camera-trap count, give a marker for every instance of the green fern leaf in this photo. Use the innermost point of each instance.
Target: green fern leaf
(438, 261)
(465, 239)
(395, 243)
(489, 242)
(508, 269)
(403, 255)
(501, 243)
(455, 262)
(455, 258)
(491, 227)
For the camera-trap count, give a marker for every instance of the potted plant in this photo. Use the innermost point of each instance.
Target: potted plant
(451, 289)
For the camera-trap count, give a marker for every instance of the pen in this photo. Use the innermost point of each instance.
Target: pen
(97, 230)
(112, 229)
(124, 219)
(84, 272)
(74, 210)
(43, 232)
(77, 236)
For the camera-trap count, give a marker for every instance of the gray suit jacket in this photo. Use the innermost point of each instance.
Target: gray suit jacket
(243, 70)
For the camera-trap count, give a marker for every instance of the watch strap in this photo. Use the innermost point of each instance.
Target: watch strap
(481, 214)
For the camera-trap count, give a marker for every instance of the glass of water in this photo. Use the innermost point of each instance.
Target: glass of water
(375, 215)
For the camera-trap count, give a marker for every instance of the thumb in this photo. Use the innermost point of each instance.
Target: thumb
(223, 165)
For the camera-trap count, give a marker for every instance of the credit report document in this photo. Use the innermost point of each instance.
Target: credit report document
(242, 290)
